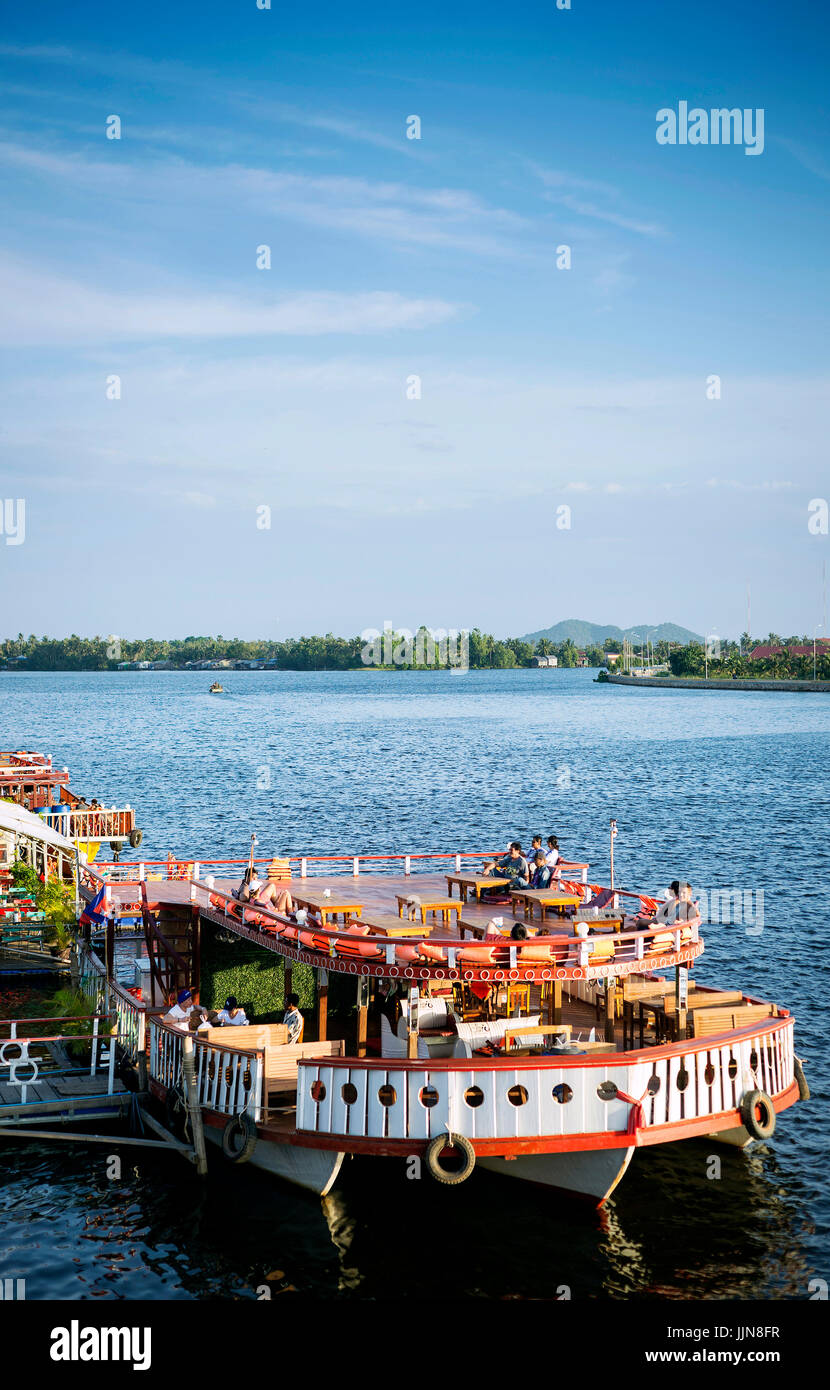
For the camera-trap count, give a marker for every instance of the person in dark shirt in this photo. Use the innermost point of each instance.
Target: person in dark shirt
(513, 867)
(542, 874)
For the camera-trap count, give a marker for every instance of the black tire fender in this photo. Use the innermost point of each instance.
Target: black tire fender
(239, 1138)
(136, 836)
(433, 1156)
(798, 1072)
(759, 1126)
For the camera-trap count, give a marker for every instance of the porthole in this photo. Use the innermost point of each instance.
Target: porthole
(682, 1079)
(606, 1090)
(474, 1096)
(653, 1085)
(517, 1095)
(732, 1069)
(428, 1096)
(562, 1093)
(753, 1059)
(348, 1093)
(387, 1095)
(709, 1074)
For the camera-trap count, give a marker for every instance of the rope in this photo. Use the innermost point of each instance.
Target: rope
(636, 1117)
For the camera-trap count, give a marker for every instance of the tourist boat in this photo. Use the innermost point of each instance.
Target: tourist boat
(551, 1059)
(30, 780)
(217, 689)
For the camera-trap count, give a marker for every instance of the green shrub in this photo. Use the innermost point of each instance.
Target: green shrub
(256, 977)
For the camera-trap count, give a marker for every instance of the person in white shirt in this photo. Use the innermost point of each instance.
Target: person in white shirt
(179, 1013)
(293, 1019)
(553, 856)
(232, 1016)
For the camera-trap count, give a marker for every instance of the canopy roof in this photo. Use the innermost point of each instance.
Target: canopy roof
(14, 819)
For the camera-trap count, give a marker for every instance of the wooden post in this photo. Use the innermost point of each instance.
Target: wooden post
(362, 1016)
(322, 1004)
(193, 1107)
(681, 998)
(610, 1007)
(195, 947)
(556, 1002)
(412, 1033)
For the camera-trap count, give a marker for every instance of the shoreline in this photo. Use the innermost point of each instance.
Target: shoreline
(701, 683)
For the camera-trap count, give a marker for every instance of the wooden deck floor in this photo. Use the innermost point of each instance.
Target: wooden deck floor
(372, 892)
(61, 1090)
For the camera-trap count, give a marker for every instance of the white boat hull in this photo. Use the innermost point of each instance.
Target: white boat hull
(314, 1169)
(590, 1173)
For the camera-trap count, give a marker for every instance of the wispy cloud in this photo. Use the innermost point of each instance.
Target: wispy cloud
(807, 158)
(567, 190)
(41, 307)
(377, 209)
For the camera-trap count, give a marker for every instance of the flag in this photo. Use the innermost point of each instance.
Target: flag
(92, 914)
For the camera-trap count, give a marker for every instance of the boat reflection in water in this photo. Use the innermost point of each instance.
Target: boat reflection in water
(671, 1232)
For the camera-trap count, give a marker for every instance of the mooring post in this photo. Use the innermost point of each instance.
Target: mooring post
(194, 1109)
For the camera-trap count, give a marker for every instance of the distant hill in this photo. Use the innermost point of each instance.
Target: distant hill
(593, 634)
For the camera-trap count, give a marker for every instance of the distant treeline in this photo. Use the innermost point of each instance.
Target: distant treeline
(327, 653)
(401, 650)
(728, 660)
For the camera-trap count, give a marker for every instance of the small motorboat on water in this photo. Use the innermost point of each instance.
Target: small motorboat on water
(217, 689)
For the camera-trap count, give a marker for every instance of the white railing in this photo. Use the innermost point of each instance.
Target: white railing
(311, 866)
(130, 1014)
(227, 1081)
(106, 823)
(24, 1066)
(418, 1101)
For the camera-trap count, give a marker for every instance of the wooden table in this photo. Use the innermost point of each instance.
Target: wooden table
(479, 930)
(329, 907)
(445, 906)
(664, 1008)
(478, 882)
(387, 924)
(601, 924)
(546, 900)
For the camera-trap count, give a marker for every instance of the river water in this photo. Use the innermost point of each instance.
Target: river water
(728, 790)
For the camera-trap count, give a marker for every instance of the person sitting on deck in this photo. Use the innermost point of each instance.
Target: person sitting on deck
(542, 874)
(512, 867)
(278, 899)
(179, 1013)
(553, 856)
(249, 886)
(293, 1019)
(677, 905)
(232, 1016)
(535, 848)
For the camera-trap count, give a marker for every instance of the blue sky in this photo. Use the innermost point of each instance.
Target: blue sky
(392, 258)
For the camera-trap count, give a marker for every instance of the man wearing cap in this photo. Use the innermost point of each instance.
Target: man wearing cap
(231, 1016)
(179, 1013)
